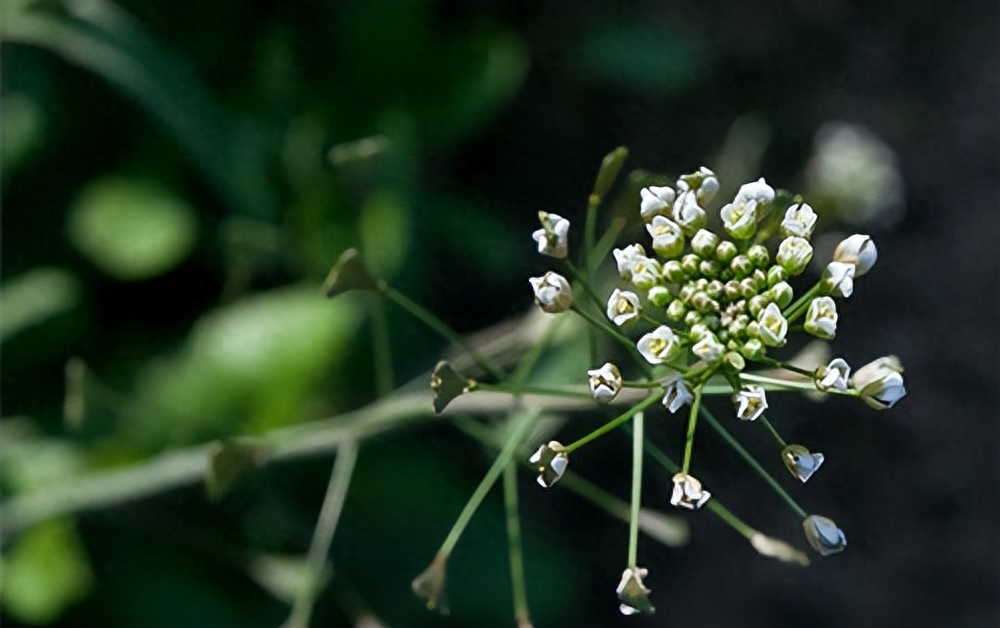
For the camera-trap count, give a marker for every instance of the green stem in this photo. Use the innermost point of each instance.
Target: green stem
(531, 358)
(532, 390)
(619, 337)
(513, 440)
(580, 277)
(590, 228)
(799, 307)
(774, 432)
(692, 423)
(443, 329)
(782, 384)
(612, 424)
(784, 365)
(633, 528)
(606, 243)
(381, 349)
(319, 549)
(521, 613)
(753, 463)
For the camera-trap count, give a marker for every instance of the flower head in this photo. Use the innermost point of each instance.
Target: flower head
(633, 593)
(833, 375)
(858, 250)
(551, 461)
(552, 238)
(659, 345)
(799, 221)
(772, 326)
(824, 535)
(750, 403)
(800, 462)
(880, 383)
(552, 292)
(676, 392)
(656, 201)
(688, 493)
(794, 254)
(605, 382)
(623, 306)
(821, 318)
(838, 279)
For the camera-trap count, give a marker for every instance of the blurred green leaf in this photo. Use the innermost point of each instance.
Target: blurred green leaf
(22, 125)
(130, 229)
(45, 570)
(29, 463)
(385, 233)
(35, 296)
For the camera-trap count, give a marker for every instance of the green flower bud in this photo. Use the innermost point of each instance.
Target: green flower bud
(794, 254)
(735, 360)
(775, 275)
(673, 272)
(686, 293)
(756, 304)
(741, 266)
(668, 240)
(759, 256)
(737, 328)
(753, 329)
(725, 252)
(660, 296)
(781, 293)
(704, 242)
(676, 310)
(760, 277)
(699, 331)
(709, 267)
(732, 290)
(748, 288)
(704, 303)
(692, 318)
(714, 289)
(690, 264)
(753, 349)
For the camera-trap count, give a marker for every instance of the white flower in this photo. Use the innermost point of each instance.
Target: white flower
(794, 254)
(824, 535)
(858, 250)
(709, 348)
(623, 306)
(800, 462)
(703, 183)
(552, 292)
(750, 403)
(605, 382)
(838, 279)
(739, 219)
(833, 375)
(551, 461)
(668, 240)
(625, 257)
(656, 201)
(660, 345)
(634, 266)
(821, 319)
(688, 214)
(676, 392)
(758, 192)
(800, 219)
(772, 326)
(688, 493)
(552, 238)
(880, 383)
(632, 593)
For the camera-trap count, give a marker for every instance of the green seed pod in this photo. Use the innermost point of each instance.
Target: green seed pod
(775, 275)
(673, 272)
(725, 252)
(690, 264)
(741, 266)
(676, 310)
(758, 255)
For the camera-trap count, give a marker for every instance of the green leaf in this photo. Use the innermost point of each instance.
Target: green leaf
(130, 229)
(31, 298)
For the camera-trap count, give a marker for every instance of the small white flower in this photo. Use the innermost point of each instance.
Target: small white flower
(821, 319)
(824, 535)
(659, 345)
(552, 238)
(623, 306)
(626, 257)
(750, 403)
(800, 219)
(739, 219)
(838, 279)
(709, 348)
(552, 292)
(858, 250)
(632, 593)
(833, 375)
(688, 214)
(794, 254)
(772, 326)
(551, 461)
(758, 192)
(880, 383)
(688, 493)
(605, 382)
(656, 201)
(703, 183)
(676, 392)
(668, 240)
(800, 462)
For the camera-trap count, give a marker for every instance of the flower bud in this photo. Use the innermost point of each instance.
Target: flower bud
(703, 183)
(676, 310)
(748, 288)
(553, 237)
(880, 383)
(709, 268)
(551, 461)
(772, 326)
(633, 594)
(704, 242)
(692, 318)
(838, 279)
(673, 272)
(794, 254)
(552, 292)
(741, 266)
(645, 272)
(605, 382)
(688, 493)
(753, 349)
(799, 221)
(858, 250)
(660, 345)
(833, 375)
(750, 403)
(824, 535)
(623, 306)
(800, 462)
(732, 290)
(739, 220)
(781, 293)
(676, 392)
(725, 252)
(668, 240)
(625, 258)
(704, 303)
(758, 255)
(688, 214)
(690, 263)
(821, 319)
(656, 201)
(660, 296)
(714, 289)
(775, 275)
(709, 348)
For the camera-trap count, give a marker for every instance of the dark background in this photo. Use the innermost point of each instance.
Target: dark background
(493, 111)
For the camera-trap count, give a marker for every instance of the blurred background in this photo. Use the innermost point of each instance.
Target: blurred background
(178, 178)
